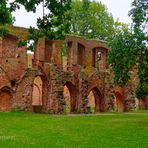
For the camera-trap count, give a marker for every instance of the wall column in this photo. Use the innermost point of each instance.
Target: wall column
(75, 50)
(1, 47)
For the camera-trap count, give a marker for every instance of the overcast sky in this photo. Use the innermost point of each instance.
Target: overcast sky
(118, 8)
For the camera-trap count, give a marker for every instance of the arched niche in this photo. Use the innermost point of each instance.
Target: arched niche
(70, 95)
(5, 99)
(119, 100)
(37, 92)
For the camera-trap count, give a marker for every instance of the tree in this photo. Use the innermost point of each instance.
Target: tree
(139, 14)
(91, 19)
(120, 57)
(5, 17)
(53, 25)
(130, 48)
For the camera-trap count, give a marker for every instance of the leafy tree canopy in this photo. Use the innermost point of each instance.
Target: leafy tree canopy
(54, 24)
(130, 48)
(5, 17)
(81, 17)
(92, 20)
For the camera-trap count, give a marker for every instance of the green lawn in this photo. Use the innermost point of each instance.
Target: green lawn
(25, 130)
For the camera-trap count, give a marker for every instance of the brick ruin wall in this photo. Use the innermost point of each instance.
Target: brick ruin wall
(36, 82)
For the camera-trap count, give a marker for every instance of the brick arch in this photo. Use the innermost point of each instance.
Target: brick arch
(5, 99)
(98, 99)
(95, 80)
(73, 96)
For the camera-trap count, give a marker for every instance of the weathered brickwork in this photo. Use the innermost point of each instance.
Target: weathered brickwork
(36, 82)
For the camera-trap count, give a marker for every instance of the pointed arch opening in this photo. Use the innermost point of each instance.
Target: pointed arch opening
(66, 94)
(95, 99)
(70, 94)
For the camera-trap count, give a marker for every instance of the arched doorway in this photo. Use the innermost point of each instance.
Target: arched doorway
(5, 100)
(70, 94)
(119, 100)
(37, 94)
(95, 101)
(91, 102)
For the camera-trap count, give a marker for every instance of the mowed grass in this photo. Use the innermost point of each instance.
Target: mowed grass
(27, 130)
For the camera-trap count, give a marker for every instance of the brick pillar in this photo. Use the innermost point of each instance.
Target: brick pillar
(0, 47)
(57, 48)
(69, 54)
(104, 60)
(53, 53)
(39, 51)
(84, 98)
(75, 50)
(88, 58)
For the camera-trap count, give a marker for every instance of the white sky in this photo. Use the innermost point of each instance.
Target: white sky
(118, 8)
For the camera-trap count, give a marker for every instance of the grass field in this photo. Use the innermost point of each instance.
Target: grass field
(26, 130)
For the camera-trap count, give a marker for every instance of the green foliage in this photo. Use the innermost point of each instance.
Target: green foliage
(139, 12)
(5, 17)
(91, 19)
(5, 14)
(121, 57)
(53, 25)
(3, 32)
(142, 90)
(142, 87)
(64, 49)
(130, 48)
(21, 43)
(29, 5)
(32, 39)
